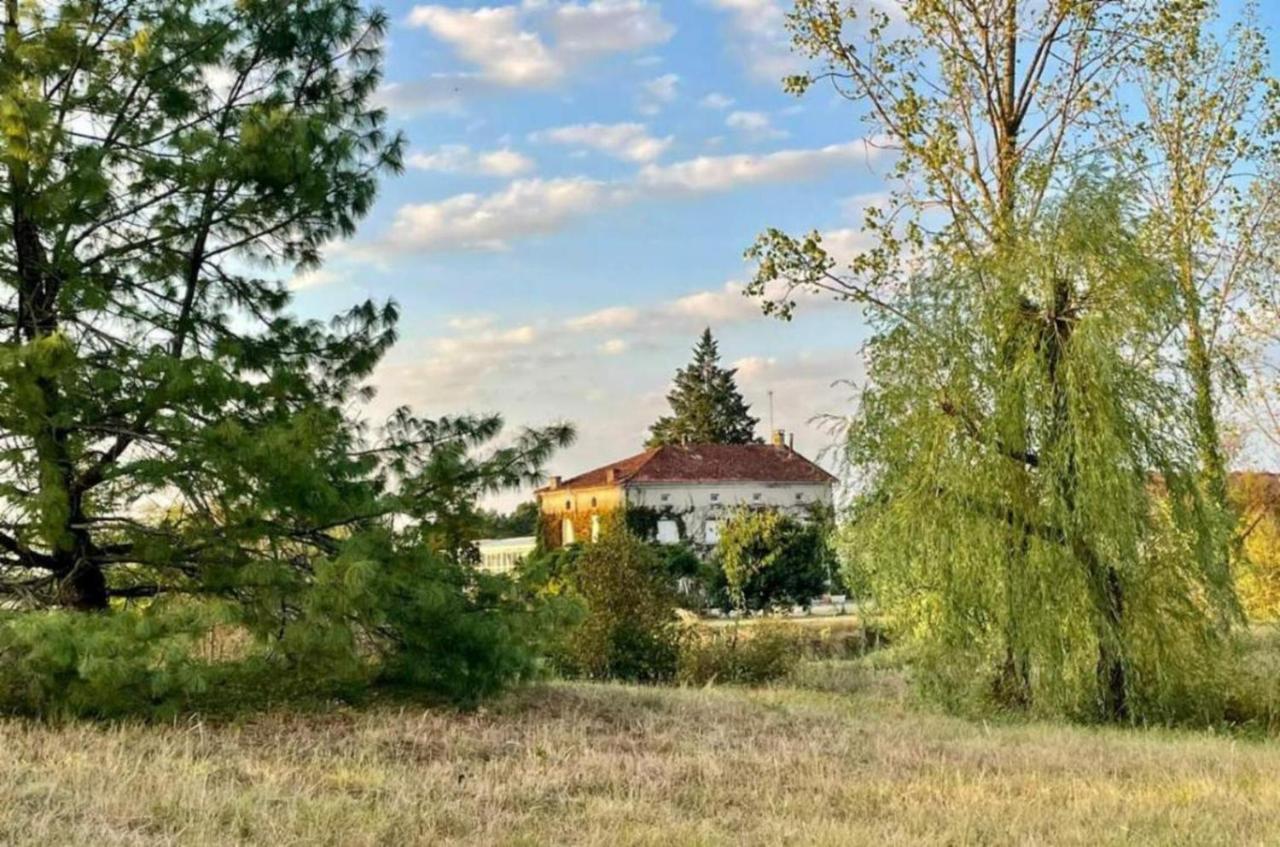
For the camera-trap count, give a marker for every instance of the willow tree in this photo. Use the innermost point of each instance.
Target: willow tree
(1119, 607)
(989, 107)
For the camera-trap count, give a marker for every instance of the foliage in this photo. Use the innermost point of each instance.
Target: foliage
(1044, 487)
(133, 662)
(679, 561)
(765, 652)
(630, 629)
(1031, 505)
(1256, 497)
(521, 521)
(170, 431)
(1203, 147)
(381, 612)
(706, 405)
(768, 560)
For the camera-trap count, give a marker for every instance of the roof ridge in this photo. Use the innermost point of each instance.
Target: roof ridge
(651, 453)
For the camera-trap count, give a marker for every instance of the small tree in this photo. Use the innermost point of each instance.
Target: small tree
(630, 630)
(706, 405)
(770, 560)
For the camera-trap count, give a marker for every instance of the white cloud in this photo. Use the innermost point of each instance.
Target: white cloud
(721, 173)
(447, 93)
(492, 39)
(658, 92)
(627, 141)
(607, 26)
(470, 323)
(844, 245)
(458, 158)
(473, 221)
(531, 207)
(714, 307)
(611, 318)
(314, 279)
(537, 43)
(760, 38)
(716, 100)
(754, 125)
(614, 347)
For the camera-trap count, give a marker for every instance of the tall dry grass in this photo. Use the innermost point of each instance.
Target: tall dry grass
(843, 760)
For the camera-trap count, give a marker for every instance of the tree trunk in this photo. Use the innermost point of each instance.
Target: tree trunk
(84, 588)
(1113, 682)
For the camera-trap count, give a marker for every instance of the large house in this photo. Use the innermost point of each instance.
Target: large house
(684, 490)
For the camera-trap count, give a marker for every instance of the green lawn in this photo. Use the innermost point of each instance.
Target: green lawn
(838, 757)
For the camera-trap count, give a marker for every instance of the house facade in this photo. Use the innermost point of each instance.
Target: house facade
(683, 493)
(503, 555)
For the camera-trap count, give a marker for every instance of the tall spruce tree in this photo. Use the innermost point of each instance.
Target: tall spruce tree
(706, 406)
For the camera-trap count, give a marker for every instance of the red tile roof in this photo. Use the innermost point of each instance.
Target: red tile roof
(705, 463)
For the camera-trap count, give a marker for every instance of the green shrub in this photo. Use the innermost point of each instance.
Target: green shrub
(749, 655)
(403, 616)
(137, 661)
(378, 614)
(768, 560)
(630, 628)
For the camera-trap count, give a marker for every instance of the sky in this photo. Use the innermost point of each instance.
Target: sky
(583, 177)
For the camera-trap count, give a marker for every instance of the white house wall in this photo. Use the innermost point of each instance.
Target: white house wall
(698, 503)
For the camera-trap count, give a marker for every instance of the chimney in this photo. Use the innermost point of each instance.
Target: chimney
(779, 438)
(555, 482)
(611, 475)
(791, 441)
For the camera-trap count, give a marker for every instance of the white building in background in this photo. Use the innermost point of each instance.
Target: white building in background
(688, 490)
(502, 555)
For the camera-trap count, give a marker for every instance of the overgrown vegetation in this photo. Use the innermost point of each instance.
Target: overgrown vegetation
(181, 455)
(629, 629)
(1044, 505)
(766, 652)
(767, 560)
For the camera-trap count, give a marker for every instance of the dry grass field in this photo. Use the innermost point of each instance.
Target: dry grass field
(839, 757)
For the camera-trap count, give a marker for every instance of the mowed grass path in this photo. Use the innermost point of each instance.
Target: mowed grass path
(615, 765)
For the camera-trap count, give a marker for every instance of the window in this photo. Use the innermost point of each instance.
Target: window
(756, 496)
(800, 496)
(568, 505)
(566, 531)
(593, 502)
(711, 532)
(666, 498)
(668, 532)
(595, 528)
(715, 498)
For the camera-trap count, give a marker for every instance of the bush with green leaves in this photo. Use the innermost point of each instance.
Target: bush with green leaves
(630, 630)
(768, 560)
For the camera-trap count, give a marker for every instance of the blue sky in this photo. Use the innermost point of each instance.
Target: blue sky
(583, 178)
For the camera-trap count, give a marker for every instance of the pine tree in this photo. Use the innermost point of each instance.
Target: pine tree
(706, 405)
(167, 425)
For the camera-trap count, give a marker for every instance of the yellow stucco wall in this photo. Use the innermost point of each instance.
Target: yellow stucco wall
(578, 505)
